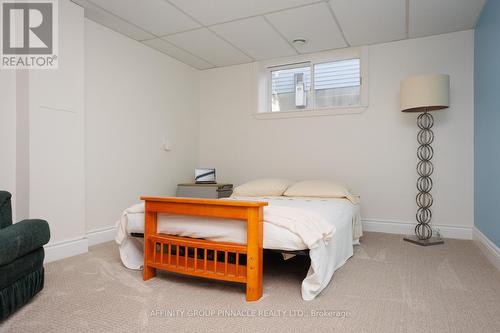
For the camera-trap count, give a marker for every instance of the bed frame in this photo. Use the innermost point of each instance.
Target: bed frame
(203, 258)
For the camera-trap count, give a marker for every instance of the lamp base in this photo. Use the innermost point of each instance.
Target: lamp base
(424, 242)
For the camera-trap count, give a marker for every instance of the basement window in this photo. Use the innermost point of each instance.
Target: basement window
(323, 85)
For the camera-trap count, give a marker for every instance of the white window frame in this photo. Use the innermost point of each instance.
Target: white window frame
(265, 68)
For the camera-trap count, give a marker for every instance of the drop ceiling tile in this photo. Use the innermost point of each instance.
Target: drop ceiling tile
(314, 23)
(181, 55)
(218, 11)
(208, 46)
(155, 16)
(111, 21)
(255, 37)
(431, 17)
(369, 22)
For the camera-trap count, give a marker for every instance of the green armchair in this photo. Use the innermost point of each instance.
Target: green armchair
(21, 258)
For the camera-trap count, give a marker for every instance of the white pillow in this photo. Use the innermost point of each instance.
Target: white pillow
(262, 187)
(318, 189)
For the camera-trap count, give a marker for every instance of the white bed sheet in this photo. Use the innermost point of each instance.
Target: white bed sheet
(221, 230)
(325, 258)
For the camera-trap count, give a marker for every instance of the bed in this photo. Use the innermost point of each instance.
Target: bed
(327, 227)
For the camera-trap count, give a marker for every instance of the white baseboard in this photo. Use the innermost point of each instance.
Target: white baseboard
(65, 249)
(407, 228)
(74, 247)
(490, 250)
(101, 235)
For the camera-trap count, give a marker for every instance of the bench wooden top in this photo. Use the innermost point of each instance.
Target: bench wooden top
(214, 202)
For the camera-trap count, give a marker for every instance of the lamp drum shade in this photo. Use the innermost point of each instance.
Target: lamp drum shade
(425, 93)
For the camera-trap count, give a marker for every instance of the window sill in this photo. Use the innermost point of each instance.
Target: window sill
(311, 113)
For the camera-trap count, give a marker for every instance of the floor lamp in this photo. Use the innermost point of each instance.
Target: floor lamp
(425, 93)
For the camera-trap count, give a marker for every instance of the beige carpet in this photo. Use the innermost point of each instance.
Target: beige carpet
(388, 286)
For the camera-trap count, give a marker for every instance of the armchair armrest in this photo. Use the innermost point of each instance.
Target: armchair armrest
(22, 238)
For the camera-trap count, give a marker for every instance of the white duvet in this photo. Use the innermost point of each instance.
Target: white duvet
(328, 227)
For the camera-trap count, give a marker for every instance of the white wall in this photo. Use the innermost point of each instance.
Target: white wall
(8, 130)
(373, 152)
(21, 196)
(81, 143)
(134, 97)
(41, 135)
(56, 134)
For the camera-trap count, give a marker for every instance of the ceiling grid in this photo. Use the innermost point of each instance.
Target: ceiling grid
(219, 33)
